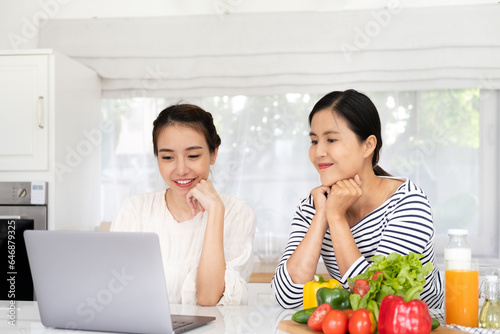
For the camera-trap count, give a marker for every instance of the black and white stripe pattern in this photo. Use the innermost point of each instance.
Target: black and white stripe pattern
(402, 224)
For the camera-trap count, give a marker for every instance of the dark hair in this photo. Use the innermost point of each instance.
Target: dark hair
(360, 114)
(187, 115)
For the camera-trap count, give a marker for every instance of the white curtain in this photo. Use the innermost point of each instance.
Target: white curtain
(385, 49)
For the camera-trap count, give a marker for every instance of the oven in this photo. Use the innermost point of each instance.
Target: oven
(23, 206)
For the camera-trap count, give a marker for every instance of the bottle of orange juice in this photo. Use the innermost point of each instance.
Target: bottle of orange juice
(461, 281)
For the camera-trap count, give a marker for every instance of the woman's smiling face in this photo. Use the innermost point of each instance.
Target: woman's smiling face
(183, 157)
(335, 150)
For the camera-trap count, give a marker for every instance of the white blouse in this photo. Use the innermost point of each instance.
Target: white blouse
(181, 244)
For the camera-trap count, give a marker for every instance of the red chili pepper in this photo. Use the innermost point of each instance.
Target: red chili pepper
(400, 315)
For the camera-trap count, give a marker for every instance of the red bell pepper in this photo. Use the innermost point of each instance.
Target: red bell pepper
(400, 315)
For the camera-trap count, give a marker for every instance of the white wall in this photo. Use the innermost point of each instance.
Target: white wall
(13, 15)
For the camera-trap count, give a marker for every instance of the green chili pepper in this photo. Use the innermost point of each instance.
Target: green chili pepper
(338, 298)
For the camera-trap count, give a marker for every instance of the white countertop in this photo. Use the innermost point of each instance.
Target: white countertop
(229, 319)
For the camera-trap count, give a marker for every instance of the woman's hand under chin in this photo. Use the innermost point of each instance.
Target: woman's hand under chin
(342, 195)
(203, 197)
(320, 194)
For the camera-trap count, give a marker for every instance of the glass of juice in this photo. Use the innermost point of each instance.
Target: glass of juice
(462, 294)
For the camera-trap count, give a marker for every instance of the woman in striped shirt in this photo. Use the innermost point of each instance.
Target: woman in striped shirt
(359, 210)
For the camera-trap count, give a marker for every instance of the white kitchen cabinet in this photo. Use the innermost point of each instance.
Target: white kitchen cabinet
(50, 131)
(24, 93)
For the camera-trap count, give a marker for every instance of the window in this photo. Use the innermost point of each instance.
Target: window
(445, 141)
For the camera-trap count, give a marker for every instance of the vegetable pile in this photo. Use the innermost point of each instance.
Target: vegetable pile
(388, 290)
(396, 274)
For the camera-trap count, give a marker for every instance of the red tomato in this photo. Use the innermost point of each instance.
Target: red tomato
(316, 319)
(347, 314)
(362, 322)
(335, 323)
(361, 287)
(375, 276)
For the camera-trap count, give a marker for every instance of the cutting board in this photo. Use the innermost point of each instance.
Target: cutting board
(293, 327)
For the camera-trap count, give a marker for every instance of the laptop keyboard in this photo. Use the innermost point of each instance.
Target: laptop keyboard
(179, 324)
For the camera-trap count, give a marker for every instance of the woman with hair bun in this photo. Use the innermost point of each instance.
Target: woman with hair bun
(205, 236)
(359, 210)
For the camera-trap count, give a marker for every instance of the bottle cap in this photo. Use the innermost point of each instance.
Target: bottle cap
(456, 231)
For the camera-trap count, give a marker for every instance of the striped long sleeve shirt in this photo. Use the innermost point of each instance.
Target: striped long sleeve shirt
(401, 224)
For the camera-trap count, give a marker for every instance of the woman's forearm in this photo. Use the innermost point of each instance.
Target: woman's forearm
(210, 283)
(344, 246)
(303, 262)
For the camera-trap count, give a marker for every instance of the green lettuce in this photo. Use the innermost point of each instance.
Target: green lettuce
(402, 274)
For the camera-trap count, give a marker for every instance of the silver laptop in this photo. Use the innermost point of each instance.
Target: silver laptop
(102, 281)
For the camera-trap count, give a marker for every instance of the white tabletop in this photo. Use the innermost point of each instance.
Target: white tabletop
(229, 319)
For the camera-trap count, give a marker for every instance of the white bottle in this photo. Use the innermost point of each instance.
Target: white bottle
(457, 254)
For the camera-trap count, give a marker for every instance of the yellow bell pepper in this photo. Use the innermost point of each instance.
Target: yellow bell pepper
(310, 289)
